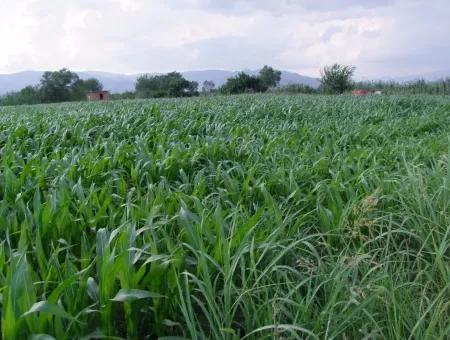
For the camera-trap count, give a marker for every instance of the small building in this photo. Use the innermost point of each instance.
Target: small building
(361, 92)
(97, 95)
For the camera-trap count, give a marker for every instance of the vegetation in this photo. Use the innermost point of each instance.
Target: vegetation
(255, 217)
(166, 85)
(297, 89)
(208, 86)
(123, 95)
(28, 95)
(441, 87)
(269, 77)
(65, 85)
(337, 79)
(245, 83)
(417, 87)
(54, 87)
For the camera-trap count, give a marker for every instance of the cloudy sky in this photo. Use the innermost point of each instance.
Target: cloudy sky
(380, 37)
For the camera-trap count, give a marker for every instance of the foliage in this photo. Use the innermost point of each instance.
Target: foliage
(296, 89)
(269, 77)
(257, 216)
(441, 87)
(208, 86)
(243, 83)
(337, 78)
(123, 95)
(81, 87)
(167, 85)
(57, 86)
(92, 84)
(28, 95)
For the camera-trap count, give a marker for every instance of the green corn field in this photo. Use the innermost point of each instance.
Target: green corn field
(239, 217)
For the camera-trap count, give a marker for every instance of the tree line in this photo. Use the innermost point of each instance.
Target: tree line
(420, 86)
(338, 79)
(54, 86)
(64, 85)
(175, 85)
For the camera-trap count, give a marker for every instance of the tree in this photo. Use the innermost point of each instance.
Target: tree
(243, 83)
(167, 85)
(28, 95)
(57, 86)
(337, 78)
(208, 86)
(80, 88)
(269, 77)
(92, 84)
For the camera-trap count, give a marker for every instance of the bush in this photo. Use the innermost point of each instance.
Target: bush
(243, 83)
(124, 95)
(297, 88)
(167, 85)
(28, 95)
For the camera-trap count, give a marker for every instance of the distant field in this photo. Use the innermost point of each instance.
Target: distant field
(257, 217)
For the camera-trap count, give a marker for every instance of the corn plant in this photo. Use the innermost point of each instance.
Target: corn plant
(253, 217)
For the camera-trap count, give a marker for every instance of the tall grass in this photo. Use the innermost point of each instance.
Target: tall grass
(420, 86)
(249, 217)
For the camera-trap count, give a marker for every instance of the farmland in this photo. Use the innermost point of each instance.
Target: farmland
(254, 216)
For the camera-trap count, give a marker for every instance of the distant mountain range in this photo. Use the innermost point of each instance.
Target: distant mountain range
(118, 83)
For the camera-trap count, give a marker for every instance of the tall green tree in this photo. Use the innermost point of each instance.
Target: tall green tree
(81, 87)
(337, 78)
(92, 84)
(269, 76)
(57, 86)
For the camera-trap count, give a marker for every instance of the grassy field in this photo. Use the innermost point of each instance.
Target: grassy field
(256, 217)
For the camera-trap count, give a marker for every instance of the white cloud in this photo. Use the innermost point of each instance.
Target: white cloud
(380, 37)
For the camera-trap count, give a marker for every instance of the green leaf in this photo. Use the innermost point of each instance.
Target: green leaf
(48, 308)
(92, 289)
(134, 294)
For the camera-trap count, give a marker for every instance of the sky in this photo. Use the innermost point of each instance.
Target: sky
(380, 37)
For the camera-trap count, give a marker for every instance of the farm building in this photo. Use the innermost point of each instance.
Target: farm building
(361, 92)
(97, 95)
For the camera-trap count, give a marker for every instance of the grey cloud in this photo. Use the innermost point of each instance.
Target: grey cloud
(234, 52)
(379, 37)
(227, 52)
